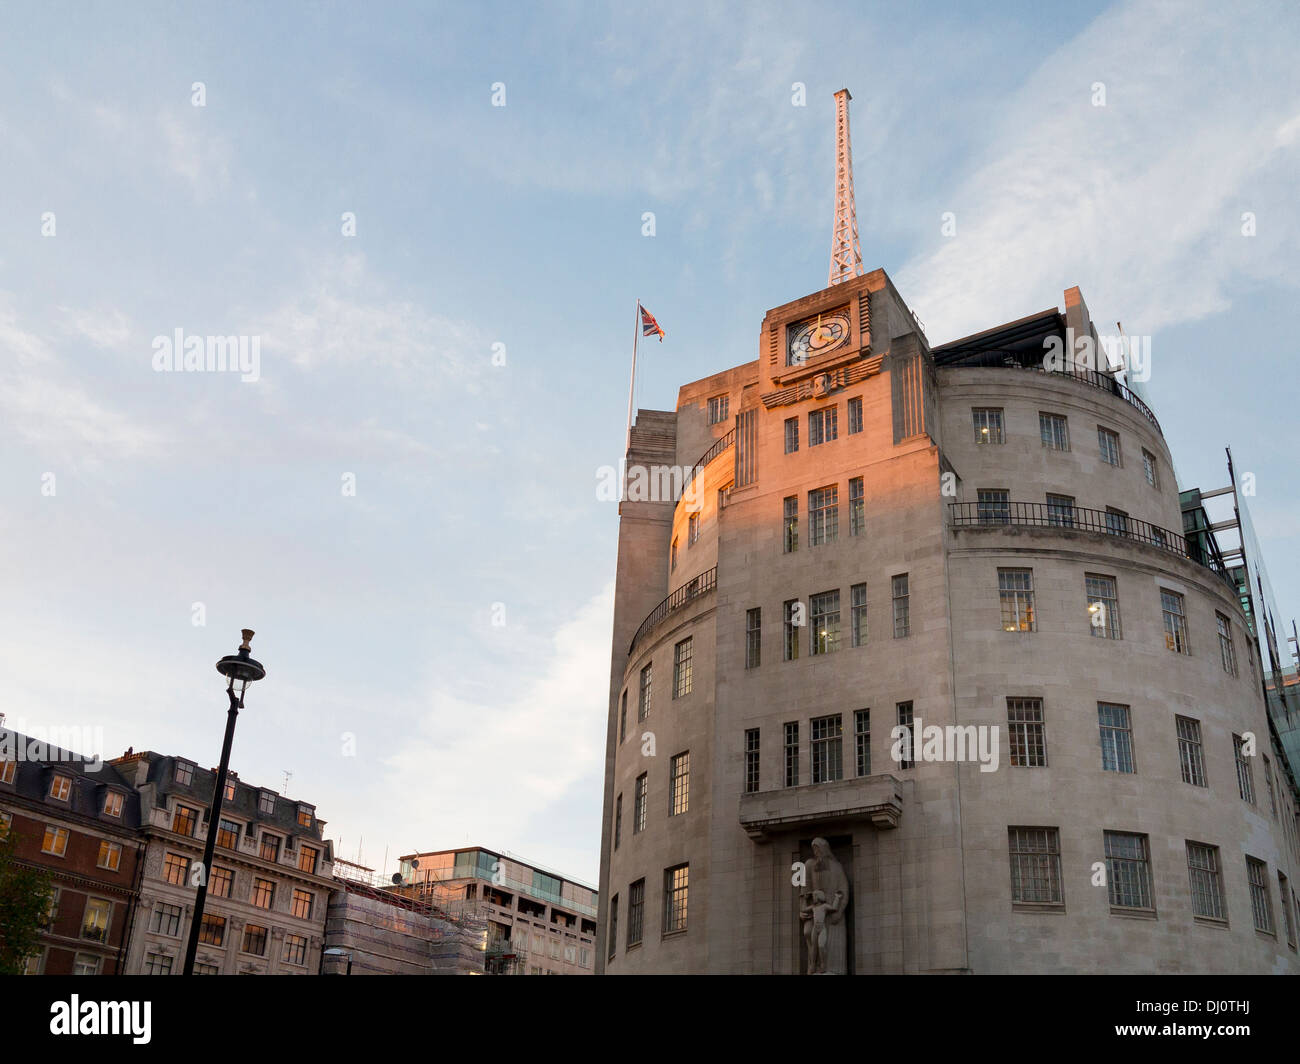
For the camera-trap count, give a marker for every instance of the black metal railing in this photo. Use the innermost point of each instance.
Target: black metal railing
(1069, 518)
(718, 447)
(687, 593)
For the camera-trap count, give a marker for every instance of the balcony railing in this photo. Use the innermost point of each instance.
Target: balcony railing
(684, 595)
(718, 447)
(1078, 519)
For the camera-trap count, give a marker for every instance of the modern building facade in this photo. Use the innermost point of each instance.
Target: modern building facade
(537, 922)
(855, 541)
(75, 819)
(270, 882)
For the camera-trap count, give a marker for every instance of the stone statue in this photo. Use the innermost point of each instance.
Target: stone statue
(826, 898)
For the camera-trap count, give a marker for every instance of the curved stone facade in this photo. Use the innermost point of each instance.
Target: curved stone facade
(1095, 823)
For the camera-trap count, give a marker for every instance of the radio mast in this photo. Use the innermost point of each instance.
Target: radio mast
(846, 254)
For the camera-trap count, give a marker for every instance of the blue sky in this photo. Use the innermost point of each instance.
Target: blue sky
(522, 225)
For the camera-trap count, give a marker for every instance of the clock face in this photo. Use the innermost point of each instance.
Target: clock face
(816, 336)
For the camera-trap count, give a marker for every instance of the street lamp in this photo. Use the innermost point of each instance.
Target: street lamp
(240, 670)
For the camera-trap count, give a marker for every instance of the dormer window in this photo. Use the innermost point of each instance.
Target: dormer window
(230, 790)
(61, 787)
(305, 815)
(184, 773)
(266, 803)
(113, 803)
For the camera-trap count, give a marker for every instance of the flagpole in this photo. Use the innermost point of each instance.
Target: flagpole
(636, 336)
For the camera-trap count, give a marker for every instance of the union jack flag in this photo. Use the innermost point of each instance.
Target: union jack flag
(649, 327)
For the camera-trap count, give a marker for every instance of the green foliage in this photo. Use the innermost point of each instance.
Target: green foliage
(25, 897)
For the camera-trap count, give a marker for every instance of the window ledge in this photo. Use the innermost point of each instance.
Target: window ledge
(1057, 907)
(1133, 914)
(1211, 921)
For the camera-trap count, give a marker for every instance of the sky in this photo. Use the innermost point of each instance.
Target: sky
(433, 221)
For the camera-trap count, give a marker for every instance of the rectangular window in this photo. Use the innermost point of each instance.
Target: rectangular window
(855, 415)
(1054, 431)
(1025, 730)
(60, 788)
(85, 964)
(792, 754)
(254, 940)
(176, 869)
(1035, 865)
(206, 969)
(1128, 870)
(1108, 443)
(1191, 756)
(166, 920)
(266, 803)
(907, 749)
(1060, 510)
(8, 767)
(718, 407)
(791, 435)
(227, 834)
(622, 717)
(1171, 605)
(862, 740)
(682, 671)
(1206, 881)
(825, 633)
(157, 964)
(1016, 595)
(635, 912)
(1116, 738)
(220, 882)
(1261, 905)
(791, 525)
(263, 893)
(185, 821)
(676, 881)
(822, 426)
(858, 614)
(55, 842)
(823, 515)
(270, 849)
(295, 950)
(113, 804)
(793, 616)
(753, 638)
(751, 760)
(1268, 780)
(1245, 780)
(639, 797)
(902, 607)
(1227, 655)
(692, 529)
(230, 791)
(613, 927)
(679, 777)
(1149, 469)
(993, 506)
(988, 425)
(1103, 605)
(212, 929)
(672, 557)
(94, 924)
(1284, 891)
(110, 855)
(618, 821)
(643, 695)
(184, 773)
(827, 741)
(301, 904)
(307, 858)
(304, 816)
(857, 508)
(1116, 521)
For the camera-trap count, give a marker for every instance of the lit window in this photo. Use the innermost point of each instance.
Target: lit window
(6, 819)
(176, 869)
(307, 859)
(825, 633)
(1116, 738)
(61, 787)
(113, 803)
(1128, 870)
(826, 740)
(230, 790)
(1025, 730)
(110, 855)
(682, 669)
(94, 924)
(902, 607)
(1108, 443)
(1054, 431)
(675, 889)
(55, 842)
(212, 929)
(185, 820)
(1103, 605)
(1171, 606)
(220, 882)
(263, 893)
(227, 834)
(1016, 595)
(753, 638)
(679, 795)
(8, 768)
(855, 415)
(301, 904)
(988, 425)
(1206, 881)
(270, 848)
(304, 816)
(1035, 865)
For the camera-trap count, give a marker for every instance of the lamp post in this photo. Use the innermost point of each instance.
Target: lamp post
(240, 670)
